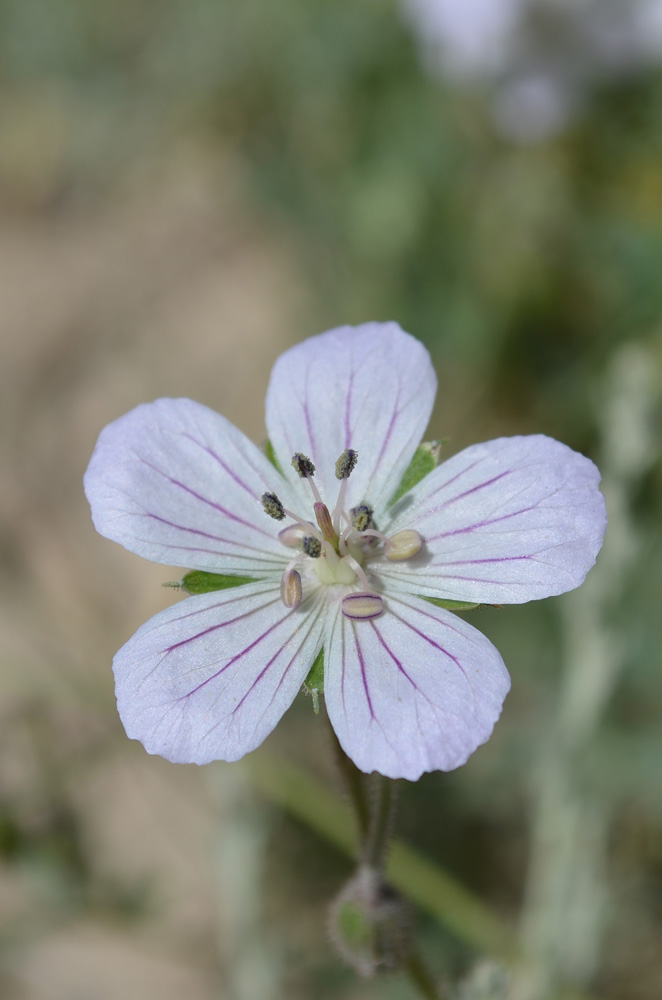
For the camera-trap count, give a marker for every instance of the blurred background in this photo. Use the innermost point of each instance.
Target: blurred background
(188, 187)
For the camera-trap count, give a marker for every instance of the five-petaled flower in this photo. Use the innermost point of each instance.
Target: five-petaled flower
(409, 686)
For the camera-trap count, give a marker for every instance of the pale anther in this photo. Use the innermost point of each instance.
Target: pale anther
(272, 506)
(362, 606)
(290, 588)
(312, 547)
(361, 516)
(346, 463)
(292, 536)
(303, 465)
(403, 545)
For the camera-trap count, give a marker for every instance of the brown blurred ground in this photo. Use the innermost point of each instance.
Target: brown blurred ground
(164, 288)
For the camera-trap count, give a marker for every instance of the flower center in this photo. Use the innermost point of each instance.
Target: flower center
(338, 543)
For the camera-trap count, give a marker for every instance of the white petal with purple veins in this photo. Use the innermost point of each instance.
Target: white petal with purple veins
(370, 388)
(504, 522)
(179, 484)
(415, 690)
(209, 678)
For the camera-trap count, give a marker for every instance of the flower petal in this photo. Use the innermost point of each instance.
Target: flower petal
(177, 483)
(370, 388)
(415, 690)
(504, 522)
(209, 678)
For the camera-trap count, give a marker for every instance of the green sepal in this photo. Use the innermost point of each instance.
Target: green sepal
(271, 455)
(441, 602)
(426, 458)
(314, 682)
(199, 582)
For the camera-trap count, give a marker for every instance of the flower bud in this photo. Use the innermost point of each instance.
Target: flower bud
(371, 924)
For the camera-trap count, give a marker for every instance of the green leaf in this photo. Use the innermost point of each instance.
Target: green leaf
(426, 458)
(451, 605)
(199, 582)
(271, 455)
(314, 682)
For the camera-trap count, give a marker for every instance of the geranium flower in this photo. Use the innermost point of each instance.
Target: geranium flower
(409, 686)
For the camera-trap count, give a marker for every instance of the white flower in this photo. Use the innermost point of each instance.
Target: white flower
(409, 687)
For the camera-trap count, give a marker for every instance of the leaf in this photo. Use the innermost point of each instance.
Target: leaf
(314, 682)
(199, 582)
(271, 455)
(451, 605)
(426, 458)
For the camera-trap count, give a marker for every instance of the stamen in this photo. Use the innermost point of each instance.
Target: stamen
(303, 465)
(362, 607)
(361, 516)
(294, 534)
(346, 463)
(343, 540)
(312, 547)
(306, 470)
(344, 468)
(272, 506)
(290, 587)
(373, 533)
(403, 545)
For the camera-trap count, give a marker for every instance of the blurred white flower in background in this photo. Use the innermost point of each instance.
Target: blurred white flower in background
(541, 58)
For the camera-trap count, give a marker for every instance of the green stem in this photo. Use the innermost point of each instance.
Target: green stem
(420, 977)
(356, 788)
(424, 882)
(380, 831)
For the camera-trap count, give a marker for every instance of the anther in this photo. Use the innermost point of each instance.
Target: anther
(312, 547)
(292, 536)
(272, 506)
(362, 606)
(346, 463)
(303, 465)
(290, 588)
(361, 516)
(403, 545)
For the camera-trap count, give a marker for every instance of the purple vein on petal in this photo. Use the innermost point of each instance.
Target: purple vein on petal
(363, 672)
(470, 562)
(215, 628)
(206, 500)
(348, 410)
(265, 670)
(389, 432)
(435, 644)
(197, 531)
(215, 552)
(306, 414)
(393, 656)
(449, 482)
(474, 489)
(230, 471)
(480, 524)
(472, 579)
(234, 659)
